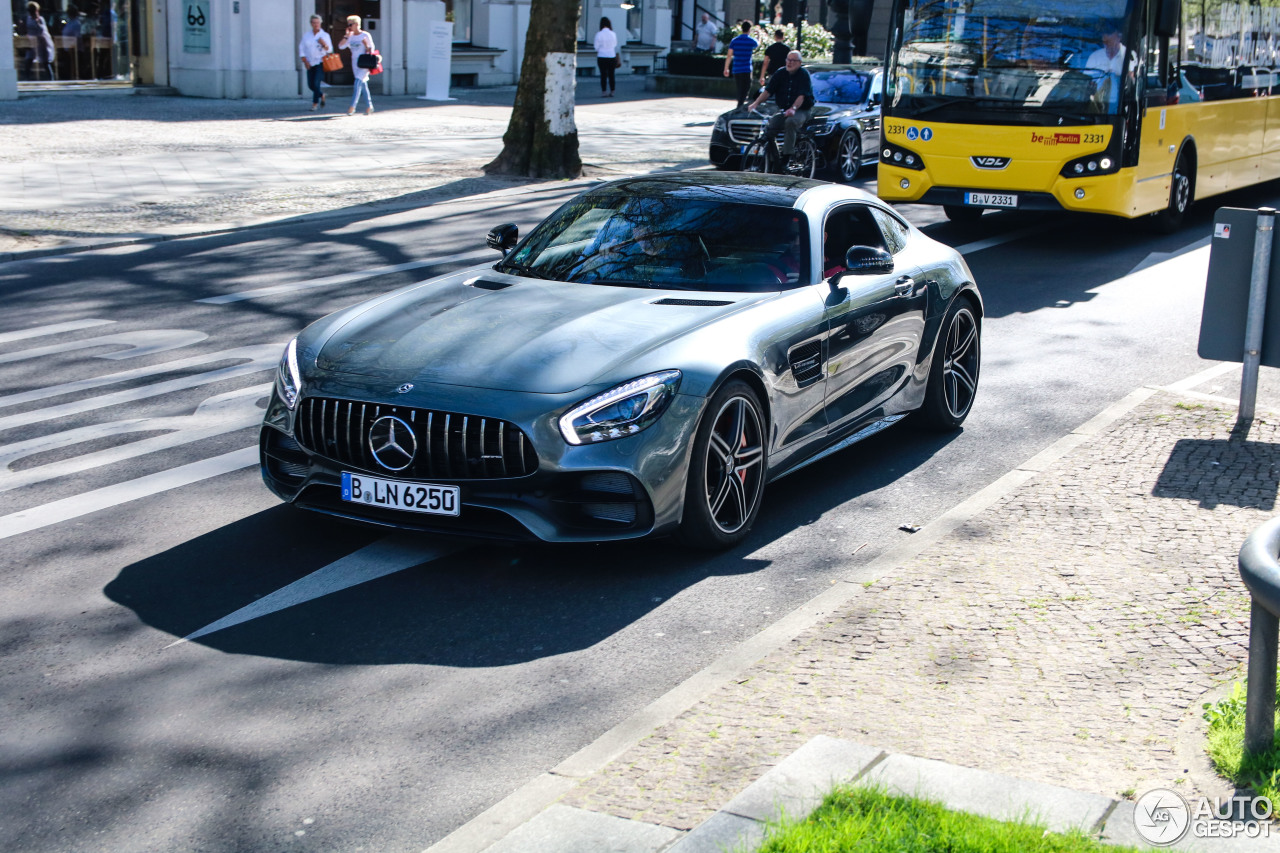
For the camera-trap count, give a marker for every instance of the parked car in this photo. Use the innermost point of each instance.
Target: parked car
(642, 363)
(845, 121)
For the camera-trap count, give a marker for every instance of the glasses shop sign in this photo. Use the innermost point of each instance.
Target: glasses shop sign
(195, 27)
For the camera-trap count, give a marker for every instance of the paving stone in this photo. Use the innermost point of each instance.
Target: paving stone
(561, 829)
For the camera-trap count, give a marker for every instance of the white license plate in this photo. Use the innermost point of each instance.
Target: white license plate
(394, 494)
(991, 199)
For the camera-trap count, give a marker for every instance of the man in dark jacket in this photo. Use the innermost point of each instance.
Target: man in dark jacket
(793, 91)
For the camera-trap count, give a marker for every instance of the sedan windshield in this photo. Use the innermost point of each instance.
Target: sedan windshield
(668, 242)
(840, 87)
(1056, 56)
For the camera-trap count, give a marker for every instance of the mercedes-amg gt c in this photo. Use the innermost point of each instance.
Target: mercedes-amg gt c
(643, 362)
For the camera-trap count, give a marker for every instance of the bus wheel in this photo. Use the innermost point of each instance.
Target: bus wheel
(1181, 194)
(961, 214)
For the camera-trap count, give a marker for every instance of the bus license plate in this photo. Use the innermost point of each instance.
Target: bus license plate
(393, 494)
(991, 199)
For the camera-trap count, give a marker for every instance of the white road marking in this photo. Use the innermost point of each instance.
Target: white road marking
(217, 415)
(68, 508)
(55, 329)
(347, 278)
(263, 357)
(139, 343)
(979, 245)
(387, 556)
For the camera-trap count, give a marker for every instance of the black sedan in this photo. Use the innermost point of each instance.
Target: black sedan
(845, 123)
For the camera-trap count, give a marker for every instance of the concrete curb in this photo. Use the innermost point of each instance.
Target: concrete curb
(492, 825)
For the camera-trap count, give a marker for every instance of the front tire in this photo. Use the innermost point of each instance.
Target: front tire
(849, 156)
(1181, 194)
(953, 376)
(756, 158)
(727, 472)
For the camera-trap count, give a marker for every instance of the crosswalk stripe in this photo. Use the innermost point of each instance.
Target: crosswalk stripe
(45, 515)
(55, 329)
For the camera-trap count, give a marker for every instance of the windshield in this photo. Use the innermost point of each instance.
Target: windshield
(1062, 57)
(667, 242)
(840, 87)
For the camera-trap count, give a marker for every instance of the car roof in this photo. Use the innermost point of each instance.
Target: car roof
(736, 187)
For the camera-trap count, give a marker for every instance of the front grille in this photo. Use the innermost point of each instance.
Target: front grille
(450, 446)
(744, 131)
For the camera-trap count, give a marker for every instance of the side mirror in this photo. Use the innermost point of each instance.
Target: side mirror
(503, 238)
(868, 260)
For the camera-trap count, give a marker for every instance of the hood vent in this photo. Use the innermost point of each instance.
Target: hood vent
(485, 284)
(694, 303)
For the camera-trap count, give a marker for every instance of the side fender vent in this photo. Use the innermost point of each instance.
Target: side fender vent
(694, 303)
(806, 363)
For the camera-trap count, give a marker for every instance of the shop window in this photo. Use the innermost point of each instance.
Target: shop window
(459, 11)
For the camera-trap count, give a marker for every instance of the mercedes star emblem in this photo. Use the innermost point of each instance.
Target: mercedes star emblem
(405, 388)
(392, 442)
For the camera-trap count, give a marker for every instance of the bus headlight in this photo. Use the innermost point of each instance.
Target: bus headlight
(896, 155)
(1094, 164)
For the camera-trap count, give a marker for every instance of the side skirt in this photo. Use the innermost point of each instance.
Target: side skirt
(866, 432)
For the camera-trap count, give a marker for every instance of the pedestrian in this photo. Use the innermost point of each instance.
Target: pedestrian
(38, 30)
(359, 43)
(775, 56)
(705, 35)
(606, 44)
(738, 62)
(313, 48)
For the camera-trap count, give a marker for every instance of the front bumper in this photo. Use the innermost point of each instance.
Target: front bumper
(622, 489)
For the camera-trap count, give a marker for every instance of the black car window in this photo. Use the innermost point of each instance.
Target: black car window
(668, 242)
(851, 225)
(840, 87)
(895, 233)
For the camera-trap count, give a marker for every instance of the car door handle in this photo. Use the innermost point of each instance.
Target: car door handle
(904, 286)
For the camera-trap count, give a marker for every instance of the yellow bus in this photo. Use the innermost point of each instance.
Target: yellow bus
(1123, 107)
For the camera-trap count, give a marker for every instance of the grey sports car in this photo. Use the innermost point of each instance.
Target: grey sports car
(642, 363)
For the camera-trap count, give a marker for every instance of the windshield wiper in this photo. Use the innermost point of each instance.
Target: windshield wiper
(523, 269)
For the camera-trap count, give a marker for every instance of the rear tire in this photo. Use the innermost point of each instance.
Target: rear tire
(804, 160)
(962, 215)
(953, 375)
(727, 471)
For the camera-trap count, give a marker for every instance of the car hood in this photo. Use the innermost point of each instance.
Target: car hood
(508, 333)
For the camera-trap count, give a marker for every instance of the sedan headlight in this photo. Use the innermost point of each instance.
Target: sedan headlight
(621, 411)
(721, 124)
(288, 380)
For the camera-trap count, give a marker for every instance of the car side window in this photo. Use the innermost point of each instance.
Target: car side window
(895, 233)
(851, 225)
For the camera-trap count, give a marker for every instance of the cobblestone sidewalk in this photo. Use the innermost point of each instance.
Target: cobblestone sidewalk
(1063, 635)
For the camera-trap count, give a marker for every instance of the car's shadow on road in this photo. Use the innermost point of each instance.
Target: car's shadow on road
(482, 605)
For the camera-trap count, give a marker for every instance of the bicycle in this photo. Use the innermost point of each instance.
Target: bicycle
(762, 155)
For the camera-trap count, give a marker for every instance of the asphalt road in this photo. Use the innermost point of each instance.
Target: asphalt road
(345, 690)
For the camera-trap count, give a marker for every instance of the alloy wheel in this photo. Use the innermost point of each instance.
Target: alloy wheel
(1181, 191)
(960, 363)
(735, 464)
(849, 158)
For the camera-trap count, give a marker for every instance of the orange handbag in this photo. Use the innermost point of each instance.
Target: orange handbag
(331, 62)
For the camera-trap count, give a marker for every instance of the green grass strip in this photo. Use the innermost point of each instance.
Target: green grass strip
(1226, 746)
(869, 820)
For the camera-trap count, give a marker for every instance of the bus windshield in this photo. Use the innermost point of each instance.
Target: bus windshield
(1058, 58)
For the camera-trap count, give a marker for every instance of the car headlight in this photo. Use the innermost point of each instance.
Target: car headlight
(621, 411)
(721, 124)
(288, 380)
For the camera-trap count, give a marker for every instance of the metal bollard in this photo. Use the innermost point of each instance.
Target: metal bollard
(1260, 570)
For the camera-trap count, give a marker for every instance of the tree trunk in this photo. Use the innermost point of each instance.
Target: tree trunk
(542, 140)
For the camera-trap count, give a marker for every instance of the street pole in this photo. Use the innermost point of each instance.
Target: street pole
(1257, 313)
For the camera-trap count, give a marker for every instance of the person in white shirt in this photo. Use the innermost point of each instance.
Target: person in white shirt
(705, 35)
(312, 49)
(359, 43)
(1108, 62)
(606, 44)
